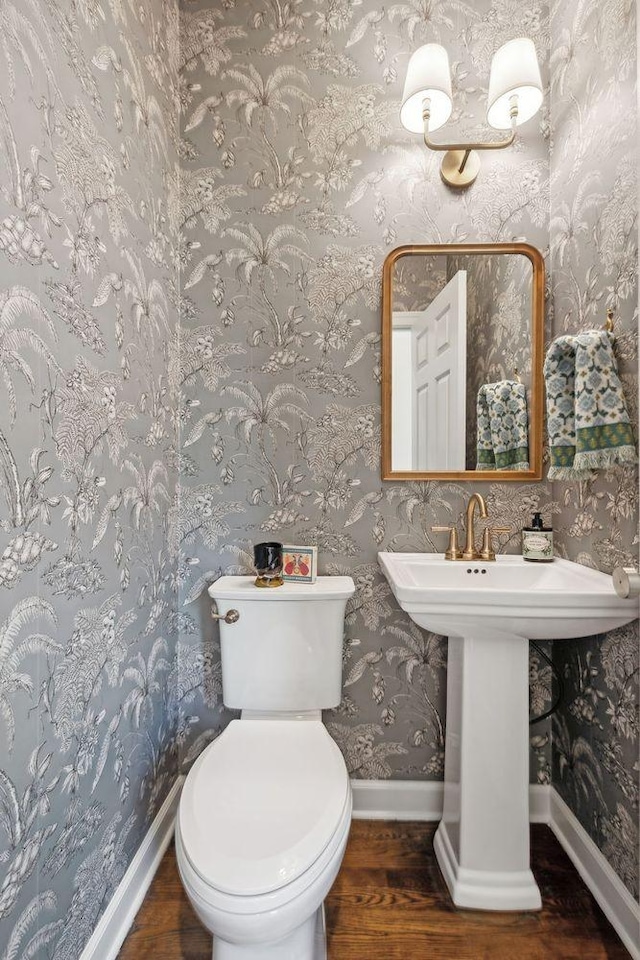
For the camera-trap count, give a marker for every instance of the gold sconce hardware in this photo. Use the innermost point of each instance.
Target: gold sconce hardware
(475, 500)
(461, 164)
(231, 616)
(515, 95)
(487, 552)
(608, 324)
(453, 551)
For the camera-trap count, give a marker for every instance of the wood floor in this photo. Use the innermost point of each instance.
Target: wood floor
(390, 903)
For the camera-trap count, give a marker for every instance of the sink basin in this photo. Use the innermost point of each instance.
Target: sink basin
(490, 611)
(539, 601)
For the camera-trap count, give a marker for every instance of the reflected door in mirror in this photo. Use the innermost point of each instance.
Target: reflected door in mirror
(429, 351)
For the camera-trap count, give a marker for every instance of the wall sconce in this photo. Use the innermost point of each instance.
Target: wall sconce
(515, 95)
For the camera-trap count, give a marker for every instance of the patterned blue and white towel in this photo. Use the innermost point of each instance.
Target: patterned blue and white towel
(503, 426)
(587, 418)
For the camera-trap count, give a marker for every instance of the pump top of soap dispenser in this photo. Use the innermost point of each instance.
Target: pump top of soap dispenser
(538, 524)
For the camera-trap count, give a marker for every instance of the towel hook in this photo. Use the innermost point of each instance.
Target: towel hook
(608, 324)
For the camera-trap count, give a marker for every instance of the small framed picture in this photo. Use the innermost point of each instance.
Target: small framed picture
(299, 564)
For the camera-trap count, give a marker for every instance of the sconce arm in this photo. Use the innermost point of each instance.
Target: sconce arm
(468, 147)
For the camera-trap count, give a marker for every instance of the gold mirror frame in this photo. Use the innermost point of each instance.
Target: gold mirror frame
(537, 345)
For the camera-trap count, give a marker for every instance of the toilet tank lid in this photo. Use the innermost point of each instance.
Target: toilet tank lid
(243, 588)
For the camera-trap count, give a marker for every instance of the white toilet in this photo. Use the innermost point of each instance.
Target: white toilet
(265, 811)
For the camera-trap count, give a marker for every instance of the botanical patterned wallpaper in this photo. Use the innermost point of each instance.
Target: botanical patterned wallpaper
(138, 460)
(298, 181)
(418, 279)
(594, 266)
(290, 118)
(89, 721)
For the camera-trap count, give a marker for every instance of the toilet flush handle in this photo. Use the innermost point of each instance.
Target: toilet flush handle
(231, 616)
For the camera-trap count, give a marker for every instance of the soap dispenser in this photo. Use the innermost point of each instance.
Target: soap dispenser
(537, 541)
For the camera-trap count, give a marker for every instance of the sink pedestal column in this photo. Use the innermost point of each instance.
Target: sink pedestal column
(482, 843)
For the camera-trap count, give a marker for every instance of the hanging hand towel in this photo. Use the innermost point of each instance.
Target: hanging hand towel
(587, 417)
(503, 426)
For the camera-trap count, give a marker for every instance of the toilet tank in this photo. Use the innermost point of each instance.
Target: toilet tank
(285, 651)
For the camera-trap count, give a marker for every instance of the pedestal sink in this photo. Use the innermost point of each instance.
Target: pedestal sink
(489, 612)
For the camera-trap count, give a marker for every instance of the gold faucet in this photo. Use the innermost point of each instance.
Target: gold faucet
(475, 500)
(487, 553)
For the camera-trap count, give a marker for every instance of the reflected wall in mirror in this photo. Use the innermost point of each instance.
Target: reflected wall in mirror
(462, 338)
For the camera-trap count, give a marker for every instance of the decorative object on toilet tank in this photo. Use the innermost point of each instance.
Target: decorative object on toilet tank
(515, 95)
(267, 559)
(299, 564)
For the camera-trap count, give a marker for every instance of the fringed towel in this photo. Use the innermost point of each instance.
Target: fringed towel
(503, 426)
(587, 418)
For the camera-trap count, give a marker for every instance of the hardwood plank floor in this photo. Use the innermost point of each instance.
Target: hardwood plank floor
(390, 902)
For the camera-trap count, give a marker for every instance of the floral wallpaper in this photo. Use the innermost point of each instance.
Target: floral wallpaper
(89, 721)
(298, 180)
(189, 349)
(594, 266)
(293, 121)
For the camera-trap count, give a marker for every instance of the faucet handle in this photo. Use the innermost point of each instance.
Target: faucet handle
(487, 552)
(453, 551)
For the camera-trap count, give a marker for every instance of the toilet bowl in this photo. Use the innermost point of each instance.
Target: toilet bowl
(264, 815)
(262, 826)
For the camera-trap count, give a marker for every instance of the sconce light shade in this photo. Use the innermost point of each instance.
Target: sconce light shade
(428, 75)
(514, 70)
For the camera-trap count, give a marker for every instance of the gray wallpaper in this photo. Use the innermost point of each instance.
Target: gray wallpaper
(317, 181)
(594, 266)
(139, 459)
(89, 728)
(290, 127)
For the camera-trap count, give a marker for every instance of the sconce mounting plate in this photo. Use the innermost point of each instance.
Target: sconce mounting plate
(455, 172)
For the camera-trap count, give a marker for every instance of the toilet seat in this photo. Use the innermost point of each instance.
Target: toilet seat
(261, 805)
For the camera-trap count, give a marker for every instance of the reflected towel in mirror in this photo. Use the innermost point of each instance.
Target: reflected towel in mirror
(587, 417)
(503, 426)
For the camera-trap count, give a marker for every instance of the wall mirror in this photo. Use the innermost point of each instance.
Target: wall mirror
(462, 341)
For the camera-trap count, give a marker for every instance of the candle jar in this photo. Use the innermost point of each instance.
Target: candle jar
(267, 558)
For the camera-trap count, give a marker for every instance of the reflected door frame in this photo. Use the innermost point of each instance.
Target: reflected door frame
(431, 346)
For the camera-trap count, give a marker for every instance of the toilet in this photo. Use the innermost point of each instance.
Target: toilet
(265, 811)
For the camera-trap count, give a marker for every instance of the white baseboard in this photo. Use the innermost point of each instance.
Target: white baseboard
(613, 898)
(539, 803)
(383, 800)
(116, 921)
(421, 800)
(397, 799)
